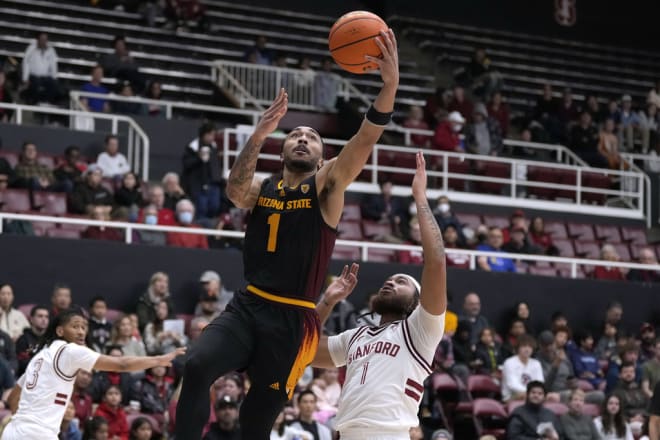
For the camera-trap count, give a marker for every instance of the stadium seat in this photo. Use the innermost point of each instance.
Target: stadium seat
(595, 180)
(350, 230)
(623, 251)
(511, 405)
(543, 271)
(496, 170)
(374, 230)
(457, 166)
(565, 271)
(26, 309)
(498, 221)
(382, 255)
(346, 253)
(403, 160)
(113, 314)
(634, 235)
(470, 220)
(351, 212)
(49, 203)
(483, 386)
(40, 228)
(585, 385)
(543, 175)
(582, 231)
(48, 161)
(564, 246)
(489, 417)
(587, 249)
(62, 233)
(557, 408)
(608, 233)
(591, 409)
(568, 177)
(442, 382)
(15, 200)
(10, 157)
(556, 228)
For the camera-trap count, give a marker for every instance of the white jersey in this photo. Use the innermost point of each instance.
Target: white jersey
(46, 388)
(385, 370)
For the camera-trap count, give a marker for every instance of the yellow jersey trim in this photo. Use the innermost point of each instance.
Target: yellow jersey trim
(281, 299)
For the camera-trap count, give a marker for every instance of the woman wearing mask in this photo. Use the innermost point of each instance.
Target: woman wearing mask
(446, 137)
(185, 213)
(144, 236)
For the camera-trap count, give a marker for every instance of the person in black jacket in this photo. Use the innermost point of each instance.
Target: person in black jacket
(153, 391)
(8, 350)
(27, 342)
(69, 172)
(129, 194)
(90, 192)
(532, 421)
(202, 176)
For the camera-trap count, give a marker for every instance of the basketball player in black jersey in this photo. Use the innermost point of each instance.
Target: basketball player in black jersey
(271, 329)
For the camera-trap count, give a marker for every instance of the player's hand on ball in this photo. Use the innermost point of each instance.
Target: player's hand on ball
(343, 285)
(419, 181)
(273, 114)
(389, 63)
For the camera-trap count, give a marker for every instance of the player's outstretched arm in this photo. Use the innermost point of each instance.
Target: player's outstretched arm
(355, 153)
(136, 363)
(433, 297)
(337, 291)
(242, 187)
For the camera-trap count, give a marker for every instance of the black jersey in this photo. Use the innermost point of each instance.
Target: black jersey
(288, 245)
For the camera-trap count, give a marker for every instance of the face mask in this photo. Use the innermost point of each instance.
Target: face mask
(151, 220)
(185, 217)
(636, 426)
(443, 208)
(457, 127)
(413, 209)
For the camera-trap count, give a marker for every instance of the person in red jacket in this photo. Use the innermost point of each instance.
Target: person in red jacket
(111, 410)
(608, 253)
(446, 133)
(185, 213)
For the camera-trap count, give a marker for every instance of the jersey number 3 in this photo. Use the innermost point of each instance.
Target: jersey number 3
(35, 375)
(274, 226)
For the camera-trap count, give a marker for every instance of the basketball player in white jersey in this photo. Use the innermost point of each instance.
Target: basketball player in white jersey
(386, 365)
(42, 393)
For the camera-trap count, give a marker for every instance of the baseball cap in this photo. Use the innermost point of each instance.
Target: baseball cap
(456, 117)
(224, 402)
(209, 275)
(441, 434)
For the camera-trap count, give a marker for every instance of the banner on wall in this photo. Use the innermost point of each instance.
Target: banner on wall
(566, 12)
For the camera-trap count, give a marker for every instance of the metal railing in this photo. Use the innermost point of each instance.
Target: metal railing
(76, 101)
(451, 166)
(364, 246)
(137, 140)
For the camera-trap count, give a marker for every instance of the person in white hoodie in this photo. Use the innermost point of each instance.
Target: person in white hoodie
(519, 370)
(112, 162)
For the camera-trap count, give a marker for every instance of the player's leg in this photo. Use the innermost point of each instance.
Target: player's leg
(224, 345)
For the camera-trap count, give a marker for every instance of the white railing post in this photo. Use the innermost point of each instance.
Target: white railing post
(573, 269)
(168, 111)
(364, 252)
(115, 122)
(445, 169)
(19, 116)
(578, 186)
(129, 235)
(473, 262)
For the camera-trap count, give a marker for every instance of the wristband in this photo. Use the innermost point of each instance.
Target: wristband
(378, 118)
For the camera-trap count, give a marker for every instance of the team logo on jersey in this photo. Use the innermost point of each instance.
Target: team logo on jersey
(275, 386)
(304, 188)
(565, 12)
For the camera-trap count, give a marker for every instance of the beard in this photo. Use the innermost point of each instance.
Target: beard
(391, 305)
(299, 165)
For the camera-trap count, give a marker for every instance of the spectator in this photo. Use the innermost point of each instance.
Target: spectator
(520, 369)
(264, 56)
(202, 176)
(485, 80)
(111, 161)
(540, 238)
(100, 329)
(69, 427)
(576, 425)
(446, 136)
(153, 391)
(8, 354)
(483, 135)
(532, 420)
(121, 65)
(633, 399)
(594, 110)
(585, 362)
(451, 239)
(122, 336)
(95, 86)
(129, 194)
(197, 324)
(5, 97)
(12, 321)
(415, 120)
(462, 350)
(646, 256)
(568, 110)
(647, 342)
(232, 386)
(499, 110)
(305, 78)
(69, 172)
(111, 410)
(185, 212)
(327, 389)
(584, 142)
(40, 72)
(384, 207)
(155, 92)
(185, 13)
(141, 429)
(609, 253)
(546, 112)
(494, 263)
(96, 428)
(143, 236)
(557, 369)
(282, 432)
(103, 380)
(649, 123)
(156, 197)
(7, 175)
(608, 144)
(611, 424)
(629, 124)
(307, 406)
(627, 353)
(173, 191)
(654, 412)
(488, 355)
(515, 330)
(414, 238)
(33, 175)
(81, 397)
(472, 314)
(436, 104)
(326, 87)
(90, 192)
(654, 98)
(28, 341)
(157, 339)
(61, 298)
(215, 291)
(461, 104)
(651, 371)
(518, 243)
(206, 307)
(606, 347)
(226, 425)
(614, 314)
(613, 112)
(100, 213)
(445, 217)
(130, 106)
(159, 290)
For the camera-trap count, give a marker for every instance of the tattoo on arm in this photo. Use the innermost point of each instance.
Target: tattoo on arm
(242, 172)
(425, 216)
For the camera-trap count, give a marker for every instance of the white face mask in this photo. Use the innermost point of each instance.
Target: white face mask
(443, 208)
(456, 127)
(412, 209)
(636, 426)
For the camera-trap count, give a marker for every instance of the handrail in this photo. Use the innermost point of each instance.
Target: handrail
(138, 141)
(363, 245)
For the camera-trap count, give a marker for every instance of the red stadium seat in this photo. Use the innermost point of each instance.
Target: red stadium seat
(511, 405)
(497, 170)
(587, 249)
(623, 251)
(556, 228)
(457, 166)
(374, 230)
(608, 233)
(582, 231)
(403, 160)
(350, 230)
(346, 253)
(595, 180)
(564, 246)
(15, 200)
(50, 203)
(569, 178)
(543, 175)
(471, 220)
(113, 314)
(351, 212)
(498, 221)
(543, 271)
(40, 228)
(489, 417)
(382, 255)
(557, 408)
(585, 385)
(634, 235)
(10, 157)
(591, 409)
(26, 309)
(63, 233)
(443, 382)
(482, 386)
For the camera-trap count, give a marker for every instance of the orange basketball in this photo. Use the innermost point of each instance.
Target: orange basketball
(352, 37)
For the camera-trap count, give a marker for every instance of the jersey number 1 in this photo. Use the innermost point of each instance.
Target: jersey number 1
(274, 226)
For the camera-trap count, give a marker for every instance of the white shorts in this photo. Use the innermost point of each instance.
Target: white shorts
(356, 434)
(14, 431)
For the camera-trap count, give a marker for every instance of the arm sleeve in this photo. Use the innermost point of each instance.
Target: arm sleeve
(338, 346)
(538, 371)
(124, 167)
(74, 357)
(26, 63)
(102, 161)
(426, 331)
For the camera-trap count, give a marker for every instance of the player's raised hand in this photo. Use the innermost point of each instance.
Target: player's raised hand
(273, 114)
(389, 61)
(343, 285)
(419, 181)
(166, 359)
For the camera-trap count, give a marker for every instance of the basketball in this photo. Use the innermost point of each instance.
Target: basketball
(352, 37)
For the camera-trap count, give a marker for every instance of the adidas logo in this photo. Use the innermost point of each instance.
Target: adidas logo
(275, 386)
